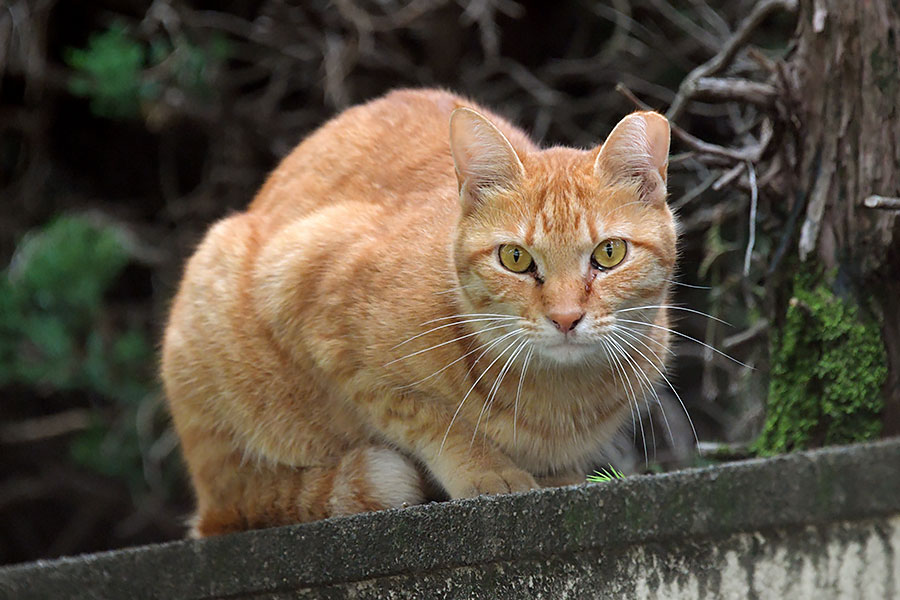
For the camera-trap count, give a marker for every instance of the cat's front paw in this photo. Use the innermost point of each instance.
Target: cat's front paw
(502, 481)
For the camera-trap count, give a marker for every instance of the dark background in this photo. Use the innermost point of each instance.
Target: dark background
(127, 128)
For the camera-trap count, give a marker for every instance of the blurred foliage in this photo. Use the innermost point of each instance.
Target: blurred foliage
(121, 73)
(109, 72)
(828, 367)
(51, 296)
(54, 337)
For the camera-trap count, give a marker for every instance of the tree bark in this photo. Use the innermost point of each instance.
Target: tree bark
(847, 74)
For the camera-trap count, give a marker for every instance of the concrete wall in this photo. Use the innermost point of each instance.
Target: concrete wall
(816, 525)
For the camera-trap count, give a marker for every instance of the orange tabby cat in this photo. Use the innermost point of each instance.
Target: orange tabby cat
(396, 316)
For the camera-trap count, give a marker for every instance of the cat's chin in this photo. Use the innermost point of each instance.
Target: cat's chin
(569, 353)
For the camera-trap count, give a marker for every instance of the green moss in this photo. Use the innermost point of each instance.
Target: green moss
(828, 368)
(575, 519)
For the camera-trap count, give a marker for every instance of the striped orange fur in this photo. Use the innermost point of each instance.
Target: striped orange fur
(352, 341)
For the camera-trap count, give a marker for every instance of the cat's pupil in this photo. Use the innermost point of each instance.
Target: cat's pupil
(516, 255)
(609, 249)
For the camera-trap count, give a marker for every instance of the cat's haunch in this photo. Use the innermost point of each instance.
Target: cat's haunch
(420, 302)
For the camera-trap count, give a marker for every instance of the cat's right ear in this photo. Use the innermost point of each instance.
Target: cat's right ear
(485, 161)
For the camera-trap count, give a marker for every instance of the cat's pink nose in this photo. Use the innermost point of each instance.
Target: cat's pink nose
(566, 321)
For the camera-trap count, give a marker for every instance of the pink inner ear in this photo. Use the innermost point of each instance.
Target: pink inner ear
(637, 147)
(658, 141)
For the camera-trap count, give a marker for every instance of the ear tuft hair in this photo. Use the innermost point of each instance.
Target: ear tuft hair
(637, 150)
(484, 158)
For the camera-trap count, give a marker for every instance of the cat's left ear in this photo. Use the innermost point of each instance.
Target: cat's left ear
(484, 158)
(637, 150)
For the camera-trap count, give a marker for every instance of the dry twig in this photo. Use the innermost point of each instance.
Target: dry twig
(735, 43)
(882, 202)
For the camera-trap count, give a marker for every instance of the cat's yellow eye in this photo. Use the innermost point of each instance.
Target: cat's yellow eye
(609, 253)
(515, 258)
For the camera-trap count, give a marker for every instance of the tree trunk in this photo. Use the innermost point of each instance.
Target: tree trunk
(847, 80)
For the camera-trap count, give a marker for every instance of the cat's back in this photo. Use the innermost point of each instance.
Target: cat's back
(392, 151)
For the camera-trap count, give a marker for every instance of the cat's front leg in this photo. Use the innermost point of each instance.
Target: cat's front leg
(466, 470)
(464, 464)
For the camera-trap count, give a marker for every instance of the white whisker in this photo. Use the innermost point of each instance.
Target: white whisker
(463, 401)
(490, 343)
(680, 401)
(456, 339)
(615, 371)
(488, 349)
(617, 333)
(687, 337)
(454, 324)
(492, 393)
(672, 307)
(619, 327)
(688, 285)
(631, 334)
(519, 392)
(642, 378)
(634, 395)
(458, 288)
(628, 332)
(494, 315)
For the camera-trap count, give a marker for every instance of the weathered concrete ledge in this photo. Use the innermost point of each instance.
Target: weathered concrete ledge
(823, 524)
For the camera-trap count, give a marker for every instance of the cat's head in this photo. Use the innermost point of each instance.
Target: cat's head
(562, 239)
